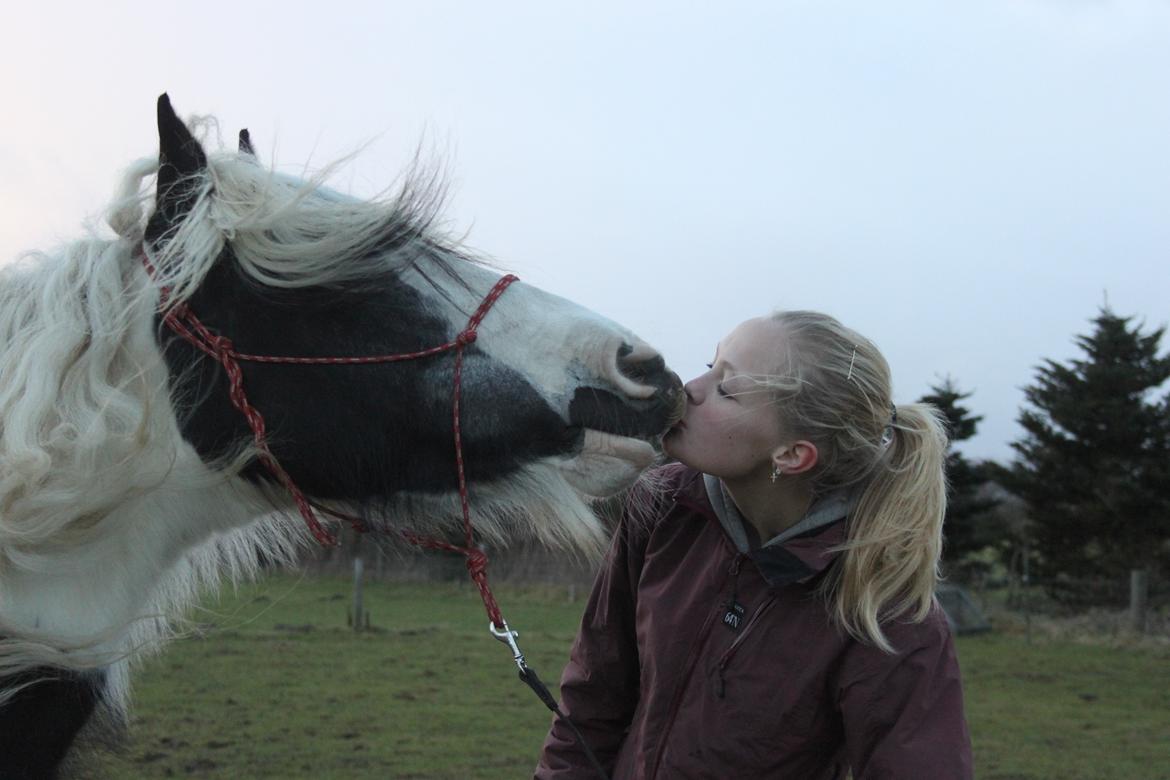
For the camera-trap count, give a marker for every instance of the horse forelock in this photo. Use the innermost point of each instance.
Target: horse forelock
(285, 232)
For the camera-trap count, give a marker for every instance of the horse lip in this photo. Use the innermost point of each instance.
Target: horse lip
(631, 449)
(607, 463)
(601, 408)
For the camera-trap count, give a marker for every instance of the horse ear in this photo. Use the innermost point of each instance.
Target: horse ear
(246, 143)
(179, 157)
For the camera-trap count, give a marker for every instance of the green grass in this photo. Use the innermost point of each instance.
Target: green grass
(1065, 710)
(282, 688)
(279, 687)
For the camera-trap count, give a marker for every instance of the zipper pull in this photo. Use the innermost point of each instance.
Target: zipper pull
(720, 683)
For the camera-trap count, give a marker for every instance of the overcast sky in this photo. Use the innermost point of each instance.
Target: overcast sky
(962, 182)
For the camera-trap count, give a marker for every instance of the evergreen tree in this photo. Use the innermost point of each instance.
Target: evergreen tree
(962, 527)
(1092, 466)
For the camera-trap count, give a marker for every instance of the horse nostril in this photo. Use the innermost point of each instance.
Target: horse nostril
(647, 370)
(642, 376)
(670, 395)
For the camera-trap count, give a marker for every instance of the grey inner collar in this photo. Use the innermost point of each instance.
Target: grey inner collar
(828, 509)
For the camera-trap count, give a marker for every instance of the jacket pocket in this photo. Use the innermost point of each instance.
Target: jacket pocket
(758, 687)
(728, 655)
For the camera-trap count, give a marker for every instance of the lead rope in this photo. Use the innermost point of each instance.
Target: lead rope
(183, 321)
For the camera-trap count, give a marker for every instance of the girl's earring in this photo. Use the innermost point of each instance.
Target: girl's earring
(775, 473)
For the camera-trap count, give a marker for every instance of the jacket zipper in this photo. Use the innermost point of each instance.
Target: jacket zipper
(692, 659)
(721, 685)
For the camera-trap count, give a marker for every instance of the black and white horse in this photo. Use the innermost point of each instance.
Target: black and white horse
(128, 481)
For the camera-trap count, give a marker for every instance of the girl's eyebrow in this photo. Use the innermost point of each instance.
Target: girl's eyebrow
(727, 365)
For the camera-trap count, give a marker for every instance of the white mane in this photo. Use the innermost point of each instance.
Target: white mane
(109, 521)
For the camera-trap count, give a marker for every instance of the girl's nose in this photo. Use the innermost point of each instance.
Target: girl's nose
(689, 389)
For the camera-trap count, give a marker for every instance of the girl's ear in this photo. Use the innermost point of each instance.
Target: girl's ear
(795, 457)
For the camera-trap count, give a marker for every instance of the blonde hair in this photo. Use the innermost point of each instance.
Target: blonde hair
(833, 388)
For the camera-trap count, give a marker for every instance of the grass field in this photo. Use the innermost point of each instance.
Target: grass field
(279, 687)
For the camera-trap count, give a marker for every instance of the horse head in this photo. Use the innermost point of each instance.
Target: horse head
(557, 402)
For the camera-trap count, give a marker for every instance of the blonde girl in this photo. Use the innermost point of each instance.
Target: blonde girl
(766, 609)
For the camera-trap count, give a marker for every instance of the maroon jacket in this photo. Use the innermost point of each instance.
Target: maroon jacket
(662, 685)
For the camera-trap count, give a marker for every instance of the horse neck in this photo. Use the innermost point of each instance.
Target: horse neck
(107, 516)
(108, 584)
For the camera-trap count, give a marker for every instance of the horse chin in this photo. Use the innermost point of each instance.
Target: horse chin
(607, 463)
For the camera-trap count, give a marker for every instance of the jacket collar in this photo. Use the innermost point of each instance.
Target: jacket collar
(797, 555)
(800, 558)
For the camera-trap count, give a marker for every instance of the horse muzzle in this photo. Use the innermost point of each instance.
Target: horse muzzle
(643, 404)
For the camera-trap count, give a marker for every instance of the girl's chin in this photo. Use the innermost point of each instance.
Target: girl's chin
(671, 442)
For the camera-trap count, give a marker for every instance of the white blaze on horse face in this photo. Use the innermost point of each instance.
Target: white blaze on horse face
(558, 347)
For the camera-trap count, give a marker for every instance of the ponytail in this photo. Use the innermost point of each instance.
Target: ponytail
(833, 388)
(889, 563)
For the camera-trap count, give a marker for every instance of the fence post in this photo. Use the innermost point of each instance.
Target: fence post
(358, 612)
(1139, 597)
(1026, 596)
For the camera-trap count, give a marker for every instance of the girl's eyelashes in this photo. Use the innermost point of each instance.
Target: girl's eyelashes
(719, 387)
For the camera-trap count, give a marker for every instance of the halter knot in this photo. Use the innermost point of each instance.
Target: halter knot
(477, 562)
(466, 337)
(222, 346)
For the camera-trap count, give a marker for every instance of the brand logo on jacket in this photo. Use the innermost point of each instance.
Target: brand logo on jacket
(733, 617)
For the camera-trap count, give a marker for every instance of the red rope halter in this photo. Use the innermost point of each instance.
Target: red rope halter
(182, 320)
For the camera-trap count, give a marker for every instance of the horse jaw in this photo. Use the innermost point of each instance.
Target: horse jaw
(607, 464)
